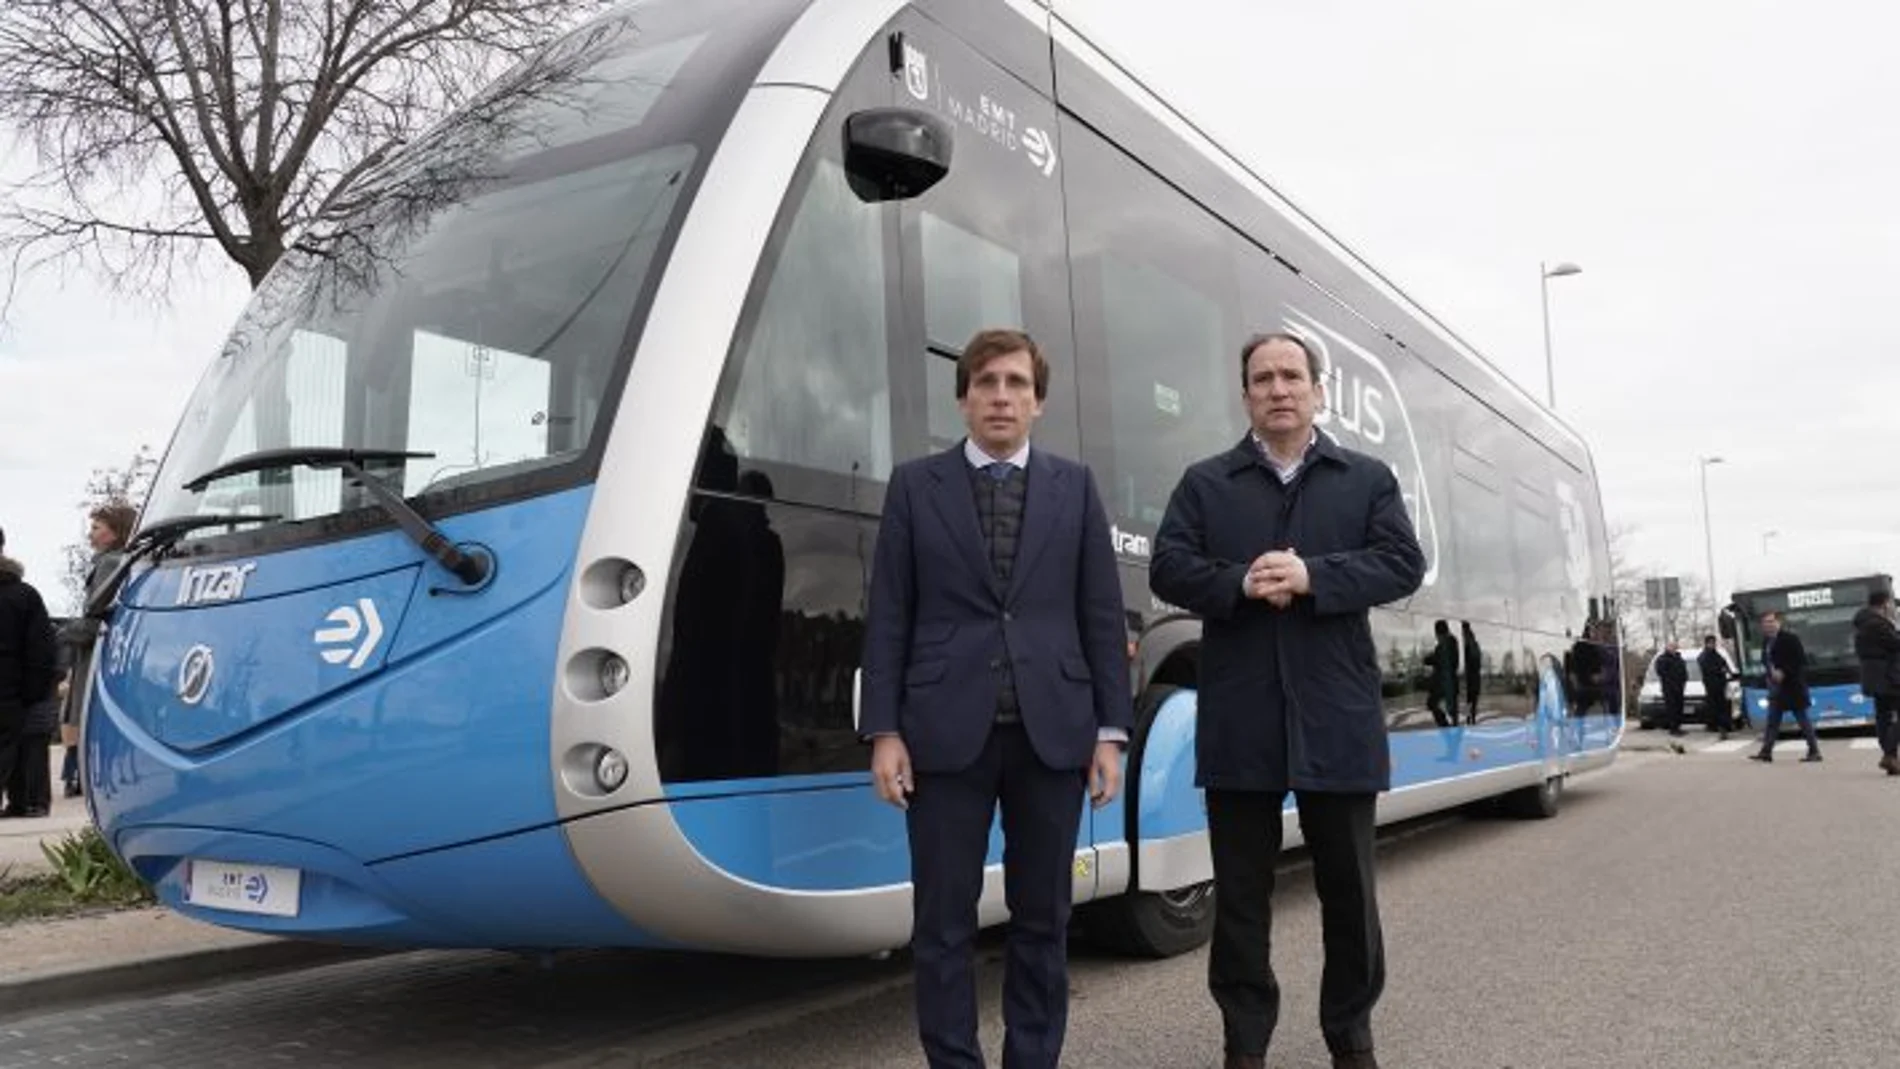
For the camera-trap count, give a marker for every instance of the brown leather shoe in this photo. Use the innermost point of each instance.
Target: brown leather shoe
(1355, 1059)
(1244, 1061)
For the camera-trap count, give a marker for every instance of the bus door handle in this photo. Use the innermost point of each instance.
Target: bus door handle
(857, 697)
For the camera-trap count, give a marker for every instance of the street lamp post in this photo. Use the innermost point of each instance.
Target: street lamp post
(1708, 544)
(1545, 274)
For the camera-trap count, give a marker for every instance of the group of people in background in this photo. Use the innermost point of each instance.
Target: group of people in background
(1672, 672)
(1441, 693)
(1785, 677)
(39, 664)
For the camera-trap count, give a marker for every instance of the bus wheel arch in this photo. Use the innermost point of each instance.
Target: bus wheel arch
(1153, 924)
(1536, 803)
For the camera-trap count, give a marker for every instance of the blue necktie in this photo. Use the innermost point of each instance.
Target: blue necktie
(999, 470)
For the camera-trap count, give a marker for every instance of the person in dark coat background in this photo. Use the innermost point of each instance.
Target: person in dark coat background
(28, 658)
(1673, 674)
(1474, 671)
(1715, 677)
(1877, 647)
(1785, 660)
(1282, 544)
(1441, 695)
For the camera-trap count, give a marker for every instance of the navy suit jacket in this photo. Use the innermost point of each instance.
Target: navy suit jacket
(1788, 654)
(940, 622)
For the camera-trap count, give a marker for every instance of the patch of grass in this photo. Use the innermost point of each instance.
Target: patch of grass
(86, 876)
(36, 897)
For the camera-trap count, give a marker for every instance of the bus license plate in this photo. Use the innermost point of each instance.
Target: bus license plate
(267, 889)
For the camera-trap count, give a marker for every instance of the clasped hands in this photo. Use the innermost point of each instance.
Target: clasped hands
(1277, 578)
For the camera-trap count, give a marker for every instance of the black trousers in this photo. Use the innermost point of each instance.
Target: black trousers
(1716, 708)
(1672, 710)
(30, 787)
(12, 735)
(949, 823)
(1887, 723)
(1245, 836)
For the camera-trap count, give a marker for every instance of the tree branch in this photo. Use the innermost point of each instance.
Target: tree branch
(173, 123)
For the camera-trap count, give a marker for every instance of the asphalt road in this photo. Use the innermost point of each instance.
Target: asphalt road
(1689, 910)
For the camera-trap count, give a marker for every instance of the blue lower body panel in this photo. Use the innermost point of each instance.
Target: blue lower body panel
(1170, 804)
(1838, 706)
(814, 833)
(516, 891)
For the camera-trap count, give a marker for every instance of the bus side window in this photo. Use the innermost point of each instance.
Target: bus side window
(1158, 326)
(813, 396)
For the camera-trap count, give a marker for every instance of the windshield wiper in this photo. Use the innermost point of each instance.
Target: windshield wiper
(470, 568)
(156, 538)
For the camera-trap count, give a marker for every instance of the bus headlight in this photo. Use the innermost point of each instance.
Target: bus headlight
(1761, 703)
(610, 770)
(1857, 699)
(615, 673)
(611, 582)
(632, 582)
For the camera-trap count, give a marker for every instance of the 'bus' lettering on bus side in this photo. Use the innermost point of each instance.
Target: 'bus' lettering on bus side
(1810, 599)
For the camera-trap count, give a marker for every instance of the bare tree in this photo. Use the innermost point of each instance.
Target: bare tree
(1626, 583)
(126, 485)
(161, 127)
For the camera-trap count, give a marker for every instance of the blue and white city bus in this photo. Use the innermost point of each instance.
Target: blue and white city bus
(1817, 591)
(504, 582)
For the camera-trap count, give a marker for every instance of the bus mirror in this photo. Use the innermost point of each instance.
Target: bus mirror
(1725, 622)
(895, 153)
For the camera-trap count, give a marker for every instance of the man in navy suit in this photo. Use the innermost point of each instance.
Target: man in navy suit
(995, 672)
(1785, 668)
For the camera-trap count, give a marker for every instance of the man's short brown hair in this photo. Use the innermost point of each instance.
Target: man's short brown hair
(990, 344)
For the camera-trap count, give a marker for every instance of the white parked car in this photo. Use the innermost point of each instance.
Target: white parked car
(1649, 700)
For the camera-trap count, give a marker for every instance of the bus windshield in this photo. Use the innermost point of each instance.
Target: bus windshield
(474, 297)
(1822, 616)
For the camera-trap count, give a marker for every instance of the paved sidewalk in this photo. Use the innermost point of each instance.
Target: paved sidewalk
(105, 954)
(20, 837)
(94, 957)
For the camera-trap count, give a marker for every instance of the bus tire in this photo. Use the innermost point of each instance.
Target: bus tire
(1150, 924)
(1536, 803)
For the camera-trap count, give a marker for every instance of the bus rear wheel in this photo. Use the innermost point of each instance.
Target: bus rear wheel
(1151, 924)
(1155, 924)
(1536, 803)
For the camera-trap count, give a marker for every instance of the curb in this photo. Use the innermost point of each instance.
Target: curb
(66, 987)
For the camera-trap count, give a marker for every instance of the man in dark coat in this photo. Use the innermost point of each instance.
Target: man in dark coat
(29, 667)
(1785, 661)
(1282, 544)
(1715, 677)
(1474, 672)
(1877, 647)
(1673, 673)
(1583, 668)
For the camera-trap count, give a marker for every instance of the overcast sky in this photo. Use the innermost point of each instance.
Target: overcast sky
(1724, 172)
